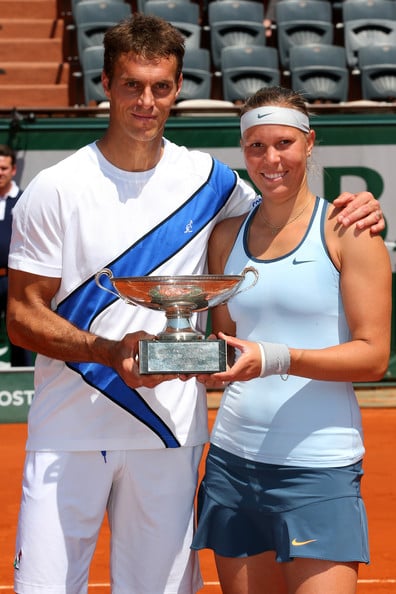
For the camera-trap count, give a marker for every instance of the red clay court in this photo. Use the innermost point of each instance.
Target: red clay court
(379, 490)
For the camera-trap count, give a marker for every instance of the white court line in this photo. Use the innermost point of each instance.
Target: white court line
(371, 581)
(390, 581)
(107, 585)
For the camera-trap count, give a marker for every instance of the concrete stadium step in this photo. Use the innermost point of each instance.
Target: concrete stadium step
(30, 73)
(31, 28)
(31, 50)
(33, 96)
(34, 9)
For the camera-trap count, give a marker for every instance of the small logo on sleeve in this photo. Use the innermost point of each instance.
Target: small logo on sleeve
(17, 560)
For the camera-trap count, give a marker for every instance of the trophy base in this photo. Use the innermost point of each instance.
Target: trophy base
(182, 356)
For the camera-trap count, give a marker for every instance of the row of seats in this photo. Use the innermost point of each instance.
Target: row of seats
(19, 78)
(364, 22)
(322, 74)
(244, 70)
(304, 48)
(319, 71)
(367, 23)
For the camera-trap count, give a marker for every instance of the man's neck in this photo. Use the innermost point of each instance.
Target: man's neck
(133, 157)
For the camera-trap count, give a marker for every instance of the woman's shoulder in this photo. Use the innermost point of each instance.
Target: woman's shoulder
(331, 213)
(228, 226)
(224, 234)
(349, 243)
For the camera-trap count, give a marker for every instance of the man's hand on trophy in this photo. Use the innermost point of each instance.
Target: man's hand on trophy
(125, 360)
(208, 379)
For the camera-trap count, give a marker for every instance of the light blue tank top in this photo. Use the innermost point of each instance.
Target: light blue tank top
(296, 301)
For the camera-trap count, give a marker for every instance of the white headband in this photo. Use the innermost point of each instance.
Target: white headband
(270, 114)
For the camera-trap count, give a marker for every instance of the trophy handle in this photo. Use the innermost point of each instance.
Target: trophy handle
(222, 299)
(254, 281)
(106, 272)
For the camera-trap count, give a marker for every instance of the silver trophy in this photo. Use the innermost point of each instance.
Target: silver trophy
(179, 348)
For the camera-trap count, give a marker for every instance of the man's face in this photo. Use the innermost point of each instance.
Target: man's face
(7, 172)
(141, 94)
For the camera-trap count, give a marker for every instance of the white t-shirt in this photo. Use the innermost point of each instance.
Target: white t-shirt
(83, 215)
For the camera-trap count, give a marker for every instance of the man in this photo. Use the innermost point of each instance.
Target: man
(102, 436)
(9, 194)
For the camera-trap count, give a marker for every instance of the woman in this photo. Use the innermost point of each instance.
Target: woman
(280, 503)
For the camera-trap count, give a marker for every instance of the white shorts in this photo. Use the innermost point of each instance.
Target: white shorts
(149, 498)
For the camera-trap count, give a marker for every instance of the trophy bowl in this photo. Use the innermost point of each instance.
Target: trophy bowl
(179, 347)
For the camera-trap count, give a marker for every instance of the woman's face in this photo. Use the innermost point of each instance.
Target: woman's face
(276, 158)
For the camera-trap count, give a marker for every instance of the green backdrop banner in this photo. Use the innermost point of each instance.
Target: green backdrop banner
(16, 393)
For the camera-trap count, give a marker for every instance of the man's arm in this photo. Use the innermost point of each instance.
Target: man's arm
(361, 208)
(32, 324)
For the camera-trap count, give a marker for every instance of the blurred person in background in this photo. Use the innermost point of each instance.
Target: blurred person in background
(9, 195)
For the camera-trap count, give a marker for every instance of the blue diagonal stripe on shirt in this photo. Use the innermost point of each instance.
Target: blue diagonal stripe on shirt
(159, 245)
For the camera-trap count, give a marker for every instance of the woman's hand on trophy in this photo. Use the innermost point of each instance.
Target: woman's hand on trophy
(210, 381)
(257, 359)
(125, 360)
(247, 365)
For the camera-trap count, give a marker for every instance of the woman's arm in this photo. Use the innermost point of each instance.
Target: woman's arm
(366, 287)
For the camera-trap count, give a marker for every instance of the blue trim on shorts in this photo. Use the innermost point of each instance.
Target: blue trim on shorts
(246, 508)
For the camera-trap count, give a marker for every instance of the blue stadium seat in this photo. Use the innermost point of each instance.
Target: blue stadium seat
(234, 22)
(377, 66)
(244, 70)
(302, 22)
(320, 72)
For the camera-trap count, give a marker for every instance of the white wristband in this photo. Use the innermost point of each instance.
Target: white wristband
(275, 358)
